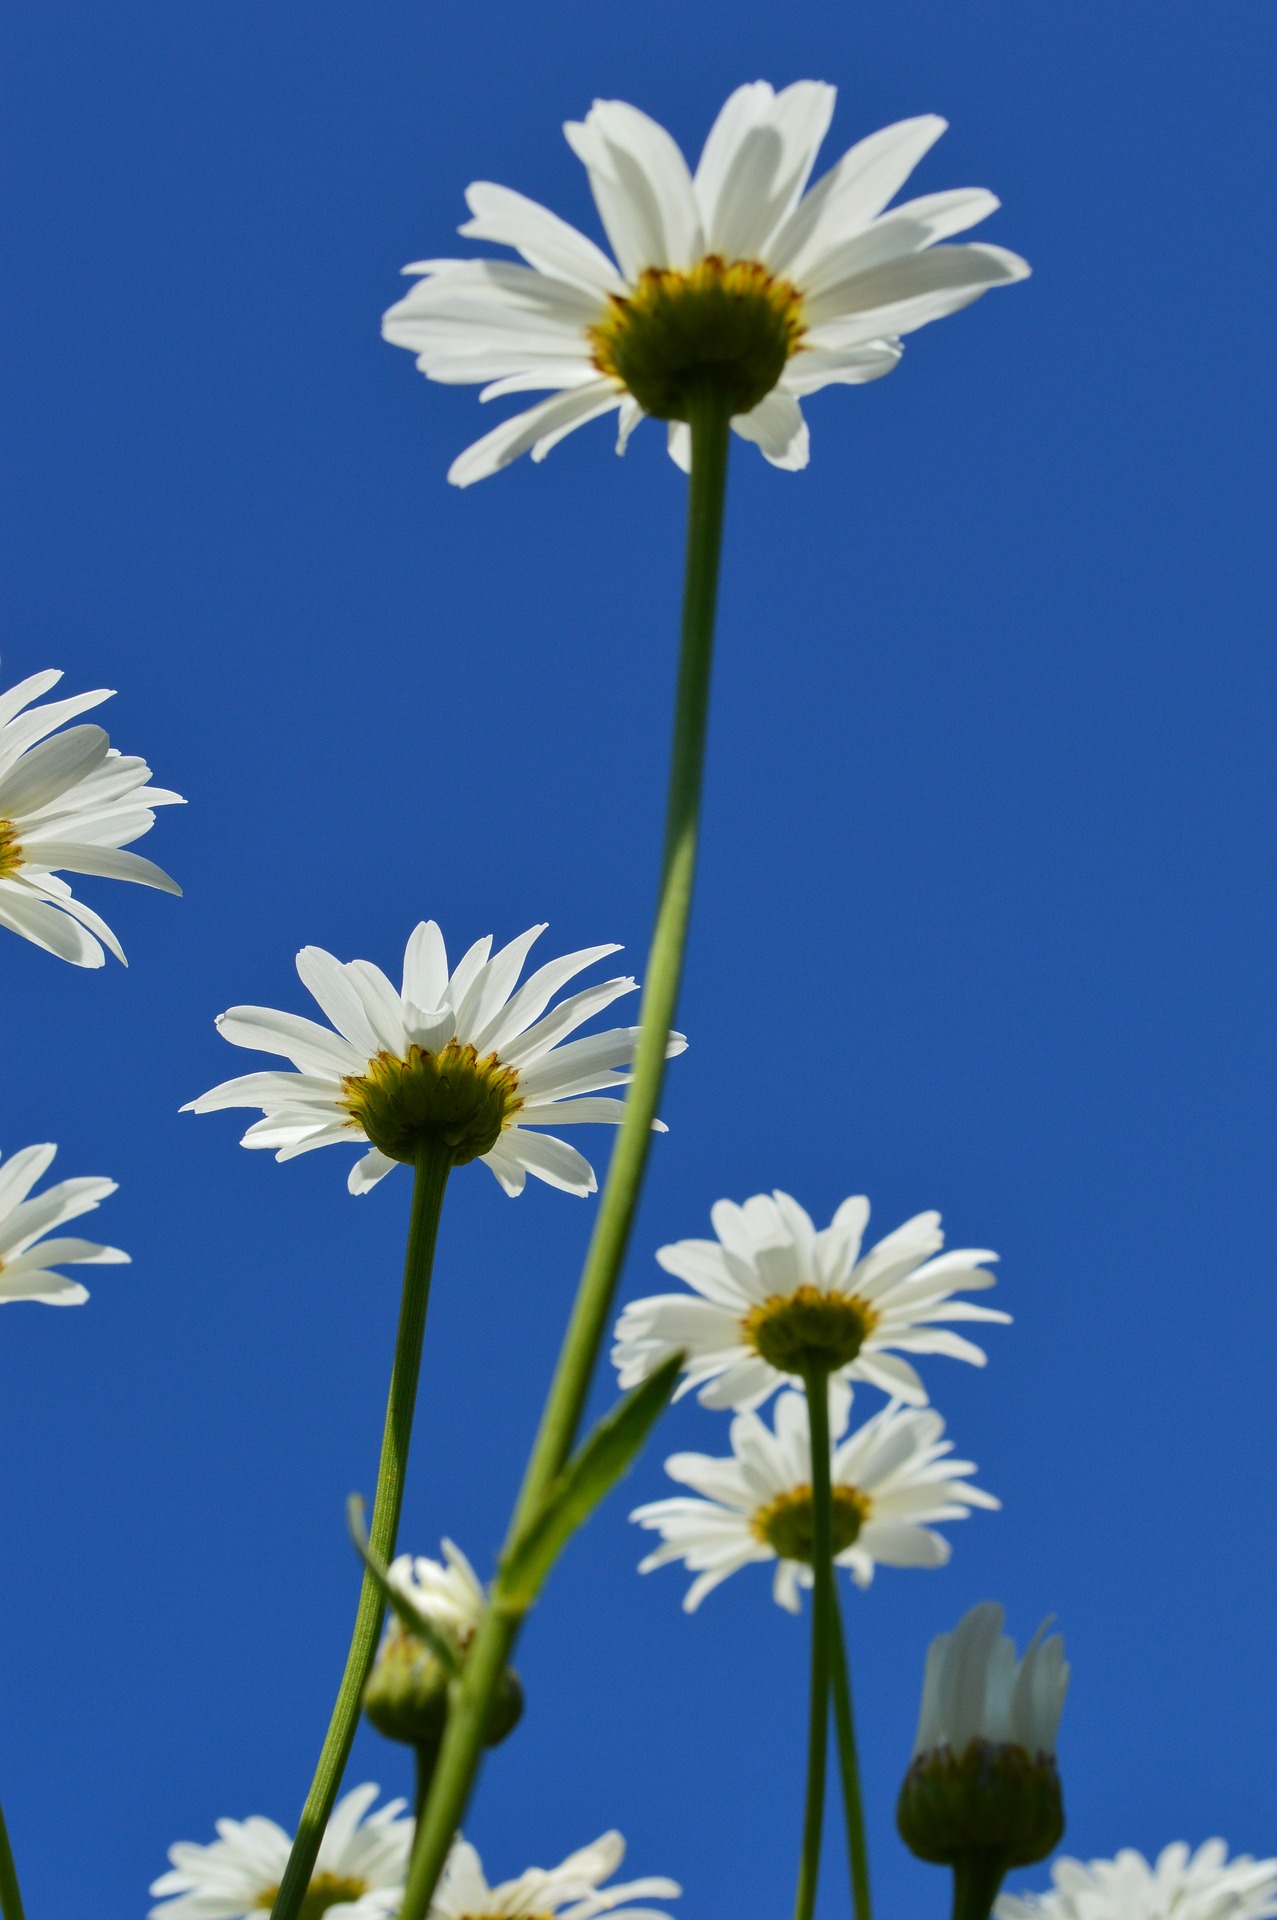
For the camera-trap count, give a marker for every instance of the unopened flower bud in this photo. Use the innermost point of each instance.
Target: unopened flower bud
(408, 1691)
(982, 1793)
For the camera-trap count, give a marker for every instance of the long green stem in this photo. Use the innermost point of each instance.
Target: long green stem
(430, 1178)
(849, 1767)
(976, 1879)
(10, 1893)
(462, 1747)
(822, 1555)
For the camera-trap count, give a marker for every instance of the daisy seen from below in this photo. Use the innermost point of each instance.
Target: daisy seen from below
(892, 1479)
(69, 803)
(28, 1261)
(573, 1890)
(776, 1297)
(358, 1875)
(465, 1059)
(734, 277)
(1180, 1885)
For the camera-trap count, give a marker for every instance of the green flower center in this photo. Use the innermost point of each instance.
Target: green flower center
(727, 325)
(10, 851)
(325, 1890)
(451, 1098)
(785, 1523)
(797, 1331)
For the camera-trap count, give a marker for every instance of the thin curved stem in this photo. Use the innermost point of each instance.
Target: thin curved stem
(430, 1179)
(490, 1652)
(10, 1893)
(849, 1767)
(822, 1556)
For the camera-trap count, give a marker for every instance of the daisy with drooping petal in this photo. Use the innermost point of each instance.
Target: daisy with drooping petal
(573, 1889)
(464, 1058)
(734, 276)
(1205, 1885)
(448, 1593)
(891, 1479)
(69, 803)
(358, 1875)
(777, 1297)
(28, 1261)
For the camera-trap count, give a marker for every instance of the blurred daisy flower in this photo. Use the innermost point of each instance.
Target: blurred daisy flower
(69, 803)
(28, 1261)
(891, 1479)
(734, 276)
(1205, 1885)
(465, 1058)
(777, 1297)
(573, 1890)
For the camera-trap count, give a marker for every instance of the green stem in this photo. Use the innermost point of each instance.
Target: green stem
(490, 1652)
(431, 1176)
(822, 1557)
(976, 1879)
(10, 1893)
(849, 1767)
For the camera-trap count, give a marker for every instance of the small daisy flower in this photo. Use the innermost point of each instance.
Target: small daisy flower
(28, 1261)
(734, 277)
(573, 1889)
(983, 1778)
(448, 1592)
(359, 1873)
(1205, 1885)
(463, 1058)
(891, 1477)
(408, 1694)
(777, 1297)
(68, 804)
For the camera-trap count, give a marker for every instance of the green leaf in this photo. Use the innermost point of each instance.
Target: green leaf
(395, 1598)
(588, 1477)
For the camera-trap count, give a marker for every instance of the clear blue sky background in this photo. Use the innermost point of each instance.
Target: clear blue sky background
(984, 924)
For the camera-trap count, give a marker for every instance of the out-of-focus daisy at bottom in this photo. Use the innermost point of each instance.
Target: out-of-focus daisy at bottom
(891, 1479)
(1180, 1885)
(573, 1889)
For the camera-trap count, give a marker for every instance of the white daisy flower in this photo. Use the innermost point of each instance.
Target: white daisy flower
(460, 1057)
(448, 1593)
(734, 277)
(891, 1477)
(1205, 1885)
(70, 804)
(983, 1780)
(573, 1889)
(28, 1261)
(776, 1297)
(359, 1872)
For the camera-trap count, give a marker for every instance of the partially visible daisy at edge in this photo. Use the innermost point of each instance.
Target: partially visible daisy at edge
(29, 1261)
(573, 1889)
(776, 1296)
(466, 1058)
(359, 1872)
(892, 1480)
(1180, 1885)
(68, 804)
(734, 276)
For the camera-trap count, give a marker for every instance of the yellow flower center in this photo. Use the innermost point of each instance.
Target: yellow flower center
(785, 1523)
(325, 1890)
(451, 1098)
(726, 325)
(796, 1331)
(10, 851)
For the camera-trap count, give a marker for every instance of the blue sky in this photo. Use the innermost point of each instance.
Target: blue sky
(984, 920)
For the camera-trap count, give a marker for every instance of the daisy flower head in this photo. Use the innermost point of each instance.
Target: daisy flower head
(465, 1059)
(891, 1479)
(573, 1889)
(359, 1872)
(1181, 1885)
(983, 1777)
(69, 803)
(28, 1261)
(408, 1692)
(777, 1297)
(733, 279)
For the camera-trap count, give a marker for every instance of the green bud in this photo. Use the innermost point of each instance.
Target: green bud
(993, 1800)
(409, 1690)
